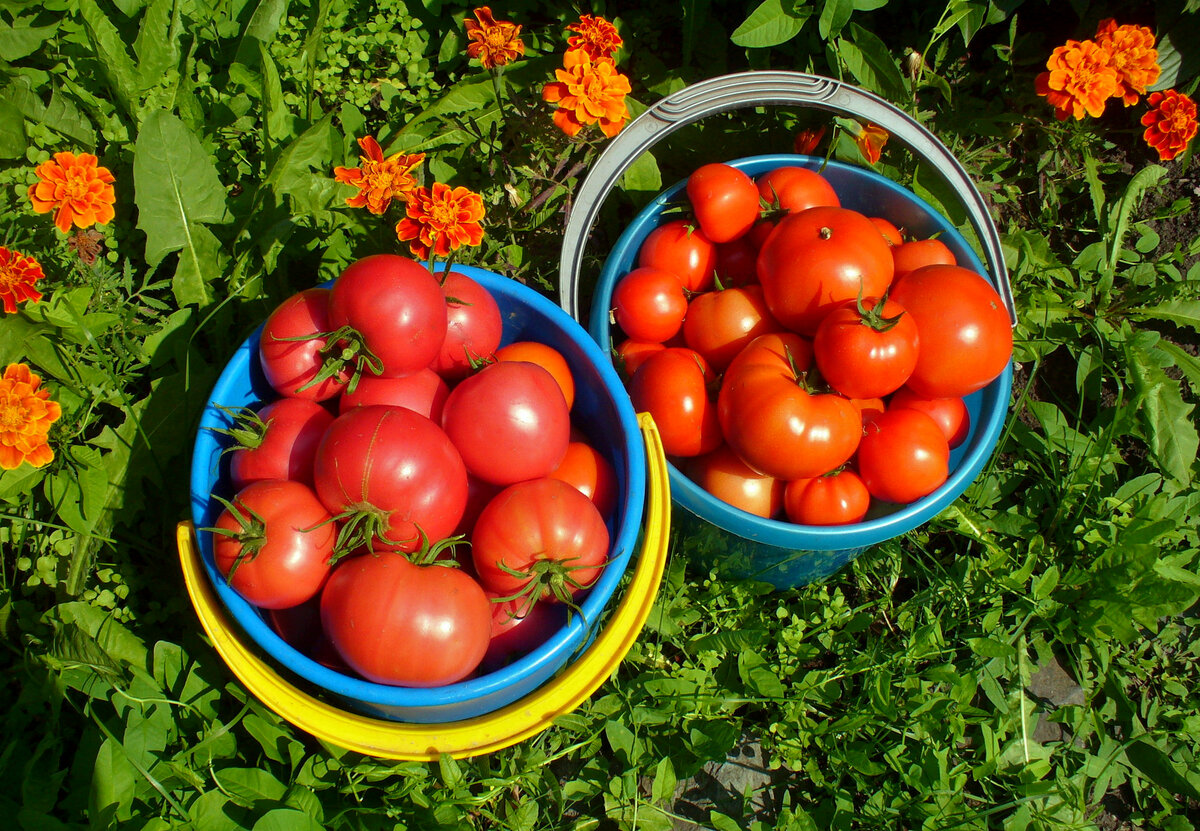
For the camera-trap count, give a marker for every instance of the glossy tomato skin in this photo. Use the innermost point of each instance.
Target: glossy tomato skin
(723, 474)
(395, 462)
(536, 520)
(424, 392)
(776, 425)
(294, 427)
(859, 360)
(673, 386)
(724, 200)
(509, 421)
(545, 356)
(631, 354)
(914, 254)
(903, 456)
(966, 335)
(649, 304)
(293, 562)
(793, 189)
(290, 365)
(397, 307)
(588, 471)
(680, 247)
(473, 326)
(737, 263)
(720, 323)
(397, 623)
(951, 414)
(518, 628)
(819, 258)
(891, 234)
(840, 498)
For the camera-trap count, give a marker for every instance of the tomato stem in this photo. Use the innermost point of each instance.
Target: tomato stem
(343, 346)
(251, 535)
(248, 430)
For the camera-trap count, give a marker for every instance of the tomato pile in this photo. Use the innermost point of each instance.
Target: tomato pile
(802, 360)
(415, 503)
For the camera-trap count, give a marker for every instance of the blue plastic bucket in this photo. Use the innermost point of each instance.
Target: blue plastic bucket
(602, 410)
(784, 554)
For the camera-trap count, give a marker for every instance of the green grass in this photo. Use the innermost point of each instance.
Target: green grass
(896, 694)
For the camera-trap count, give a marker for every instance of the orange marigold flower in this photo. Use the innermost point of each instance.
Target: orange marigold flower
(595, 36)
(588, 92)
(1080, 78)
(1133, 56)
(440, 220)
(870, 141)
(76, 188)
(18, 274)
(378, 180)
(26, 413)
(806, 140)
(494, 42)
(1170, 123)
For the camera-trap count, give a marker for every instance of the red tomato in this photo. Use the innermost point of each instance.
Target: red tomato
(422, 392)
(773, 422)
(724, 475)
(911, 255)
(724, 199)
(397, 310)
(545, 356)
(864, 350)
(681, 248)
(299, 626)
(277, 442)
(631, 354)
(720, 323)
(840, 498)
(868, 407)
(410, 625)
(737, 261)
(966, 336)
(649, 304)
(473, 326)
(479, 494)
(518, 628)
(509, 421)
(397, 470)
(891, 234)
(793, 189)
(292, 345)
(951, 414)
(587, 469)
(542, 539)
(273, 543)
(903, 456)
(673, 386)
(818, 258)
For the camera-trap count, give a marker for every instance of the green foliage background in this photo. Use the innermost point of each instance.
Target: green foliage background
(896, 694)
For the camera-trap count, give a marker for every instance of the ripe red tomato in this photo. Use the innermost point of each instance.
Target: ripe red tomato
(649, 304)
(518, 628)
(966, 336)
(723, 474)
(793, 189)
(587, 469)
(422, 392)
(548, 533)
(410, 625)
(673, 386)
(951, 414)
(293, 344)
(720, 323)
(397, 309)
(545, 356)
(737, 262)
(865, 349)
(277, 442)
(681, 248)
(891, 234)
(273, 543)
(473, 326)
(818, 258)
(299, 626)
(396, 468)
(631, 354)
(903, 456)
(840, 498)
(724, 199)
(911, 255)
(774, 423)
(509, 421)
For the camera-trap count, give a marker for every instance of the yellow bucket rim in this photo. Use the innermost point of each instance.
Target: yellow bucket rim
(475, 736)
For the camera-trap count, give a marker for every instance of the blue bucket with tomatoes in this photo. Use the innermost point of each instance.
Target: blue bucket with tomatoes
(718, 535)
(601, 412)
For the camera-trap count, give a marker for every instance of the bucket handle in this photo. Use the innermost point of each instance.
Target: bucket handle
(748, 89)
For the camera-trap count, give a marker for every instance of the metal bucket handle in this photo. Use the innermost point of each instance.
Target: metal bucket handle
(747, 89)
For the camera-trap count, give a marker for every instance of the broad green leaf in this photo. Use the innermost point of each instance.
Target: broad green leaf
(621, 740)
(157, 44)
(868, 59)
(201, 262)
(643, 175)
(117, 641)
(262, 27)
(276, 120)
(312, 150)
(246, 786)
(93, 482)
(213, 811)
(1172, 435)
(12, 132)
(523, 816)
(1179, 311)
(722, 822)
(1159, 768)
(991, 648)
(835, 14)
(451, 771)
(662, 790)
(113, 785)
(286, 819)
(19, 41)
(1142, 181)
(1178, 57)
(1186, 362)
(115, 63)
(771, 23)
